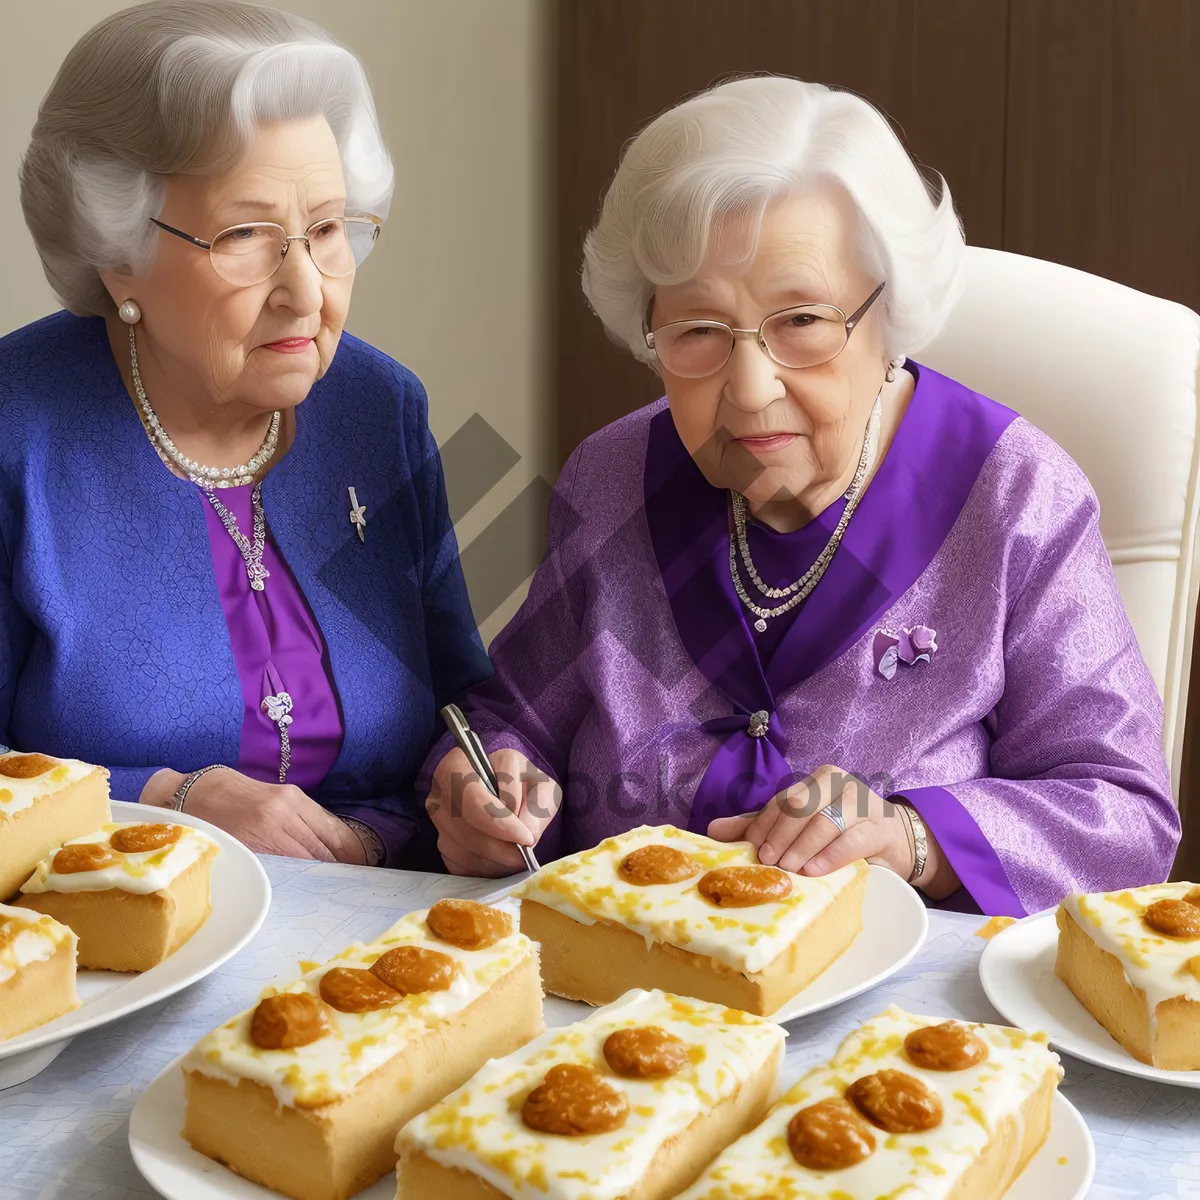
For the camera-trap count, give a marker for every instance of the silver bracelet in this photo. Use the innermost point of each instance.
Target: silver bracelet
(180, 793)
(373, 847)
(921, 852)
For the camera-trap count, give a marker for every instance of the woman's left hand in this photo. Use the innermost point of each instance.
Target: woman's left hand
(791, 834)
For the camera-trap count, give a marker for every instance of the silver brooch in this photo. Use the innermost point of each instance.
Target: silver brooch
(758, 723)
(358, 515)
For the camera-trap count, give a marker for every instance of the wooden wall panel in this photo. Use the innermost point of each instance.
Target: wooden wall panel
(937, 67)
(1103, 160)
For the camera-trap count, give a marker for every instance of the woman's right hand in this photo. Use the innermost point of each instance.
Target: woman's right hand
(478, 834)
(269, 818)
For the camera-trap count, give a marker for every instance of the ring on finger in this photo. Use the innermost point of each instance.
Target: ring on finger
(833, 812)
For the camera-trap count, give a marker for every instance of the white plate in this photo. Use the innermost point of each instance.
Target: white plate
(177, 1171)
(241, 895)
(1017, 972)
(1063, 1168)
(894, 926)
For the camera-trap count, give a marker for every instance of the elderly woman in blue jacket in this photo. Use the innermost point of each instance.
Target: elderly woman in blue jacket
(227, 570)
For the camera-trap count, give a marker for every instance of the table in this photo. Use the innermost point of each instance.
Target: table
(63, 1134)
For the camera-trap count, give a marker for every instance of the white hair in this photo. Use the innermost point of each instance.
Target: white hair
(178, 86)
(728, 152)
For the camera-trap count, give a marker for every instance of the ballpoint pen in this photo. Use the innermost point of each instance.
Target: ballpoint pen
(469, 743)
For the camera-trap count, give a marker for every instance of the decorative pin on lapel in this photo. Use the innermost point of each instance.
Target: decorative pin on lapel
(358, 516)
(908, 646)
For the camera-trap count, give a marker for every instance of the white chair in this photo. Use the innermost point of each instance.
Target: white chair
(1111, 375)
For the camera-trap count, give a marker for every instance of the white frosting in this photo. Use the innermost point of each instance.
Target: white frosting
(16, 794)
(332, 1066)
(149, 871)
(928, 1164)
(1156, 964)
(588, 888)
(479, 1129)
(27, 937)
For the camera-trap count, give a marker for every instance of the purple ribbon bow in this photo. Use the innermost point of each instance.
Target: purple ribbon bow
(909, 646)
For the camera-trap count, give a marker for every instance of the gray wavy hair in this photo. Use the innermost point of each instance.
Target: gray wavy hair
(732, 149)
(178, 87)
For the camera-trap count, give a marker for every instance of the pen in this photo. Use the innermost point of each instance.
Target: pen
(469, 743)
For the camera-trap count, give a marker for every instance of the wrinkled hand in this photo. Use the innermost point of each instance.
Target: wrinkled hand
(478, 834)
(789, 832)
(269, 818)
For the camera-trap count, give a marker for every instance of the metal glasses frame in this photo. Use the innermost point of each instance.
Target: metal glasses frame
(288, 238)
(849, 321)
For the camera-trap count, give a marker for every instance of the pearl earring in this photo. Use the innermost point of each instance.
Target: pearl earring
(129, 312)
(894, 366)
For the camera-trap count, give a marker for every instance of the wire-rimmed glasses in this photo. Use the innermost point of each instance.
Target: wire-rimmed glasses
(805, 335)
(251, 253)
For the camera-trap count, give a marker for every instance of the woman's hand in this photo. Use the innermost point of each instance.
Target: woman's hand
(270, 818)
(790, 832)
(478, 834)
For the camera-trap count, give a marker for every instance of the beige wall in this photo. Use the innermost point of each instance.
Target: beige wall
(460, 88)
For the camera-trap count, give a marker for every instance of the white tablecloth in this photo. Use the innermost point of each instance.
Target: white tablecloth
(63, 1135)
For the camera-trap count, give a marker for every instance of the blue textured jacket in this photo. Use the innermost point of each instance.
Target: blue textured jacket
(113, 643)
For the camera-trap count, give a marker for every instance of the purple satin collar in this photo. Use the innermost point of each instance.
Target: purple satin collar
(901, 522)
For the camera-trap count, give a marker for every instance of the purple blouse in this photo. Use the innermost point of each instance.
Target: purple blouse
(277, 646)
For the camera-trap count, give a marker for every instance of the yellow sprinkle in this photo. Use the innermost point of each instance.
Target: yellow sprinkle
(994, 926)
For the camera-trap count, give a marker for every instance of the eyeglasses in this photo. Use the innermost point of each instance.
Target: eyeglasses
(806, 335)
(248, 254)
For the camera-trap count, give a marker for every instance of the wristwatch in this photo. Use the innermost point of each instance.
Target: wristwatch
(180, 793)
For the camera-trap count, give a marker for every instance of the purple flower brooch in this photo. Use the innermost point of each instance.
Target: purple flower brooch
(909, 646)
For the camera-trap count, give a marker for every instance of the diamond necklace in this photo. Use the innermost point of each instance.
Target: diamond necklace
(206, 478)
(799, 591)
(198, 473)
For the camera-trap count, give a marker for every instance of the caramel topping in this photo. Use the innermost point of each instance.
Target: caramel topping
(26, 766)
(9, 928)
(645, 1052)
(468, 924)
(351, 990)
(1193, 897)
(83, 856)
(829, 1136)
(1174, 919)
(288, 1020)
(946, 1047)
(743, 887)
(410, 969)
(574, 1101)
(137, 839)
(896, 1102)
(649, 865)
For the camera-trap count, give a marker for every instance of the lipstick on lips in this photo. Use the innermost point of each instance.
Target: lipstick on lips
(776, 441)
(289, 345)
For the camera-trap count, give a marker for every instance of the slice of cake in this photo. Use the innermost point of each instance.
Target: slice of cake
(306, 1092)
(43, 803)
(37, 970)
(658, 907)
(132, 893)
(1132, 958)
(629, 1104)
(908, 1106)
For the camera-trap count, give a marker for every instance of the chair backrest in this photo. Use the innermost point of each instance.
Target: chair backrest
(1111, 375)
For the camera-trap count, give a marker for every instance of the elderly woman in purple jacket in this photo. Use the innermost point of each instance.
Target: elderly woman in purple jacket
(820, 597)
(227, 570)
